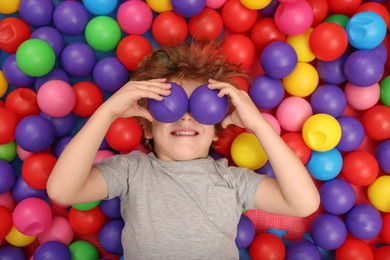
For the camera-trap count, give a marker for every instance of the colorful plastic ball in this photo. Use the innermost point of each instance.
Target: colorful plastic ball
(363, 221)
(381, 50)
(3, 86)
(132, 49)
(340, 19)
(320, 11)
(55, 73)
(352, 133)
(321, 132)
(266, 92)
(58, 230)
(160, 6)
(337, 196)
(293, 112)
(302, 81)
(300, 43)
(62, 125)
(328, 99)
(134, 17)
(379, 193)
(88, 98)
(385, 232)
(255, 5)
(363, 68)
(236, 17)
(70, 18)
(8, 151)
(265, 31)
(206, 106)
(188, 8)
(382, 154)
(81, 250)
(9, 6)
(17, 33)
(7, 201)
(278, 59)
(328, 231)
(59, 145)
(272, 121)
(302, 249)
(297, 144)
(377, 8)
(110, 74)
(238, 49)
(102, 154)
(246, 151)
(22, 191)
(325, 165)
(344, 7)
(7, 178)
(86, 206)
(169, 28)
(8, 123)
(124, 134)
(100, 7)
(13, 73)
(245, 232)
(360, 168)
(36, 169)
(103, 33)
(366, 30)
(18, 239)
(332, 72)
(86, 222)
(6, 222)
(111, 208)
(52, 250)
(36, 12)
(9, 252)
(171, 108)
(294, 18)
(267, 170)
(215, 4)
(78, 59)
(224, 142)
(376, 121)
(267, 246)
(354, 249)
(110, 236)
(207, 24)
(270, 9)
(51, 36)
(385, 91)
(382, 253)
(328, 41)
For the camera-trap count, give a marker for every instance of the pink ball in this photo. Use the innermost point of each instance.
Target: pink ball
(56, 98)
(22, 154)
(294, 18)
(59, 230)
(362, 98)
(134, 17)
(272, 121)
(292, 113)
(102, 154)
(215, 4)
(32, 216)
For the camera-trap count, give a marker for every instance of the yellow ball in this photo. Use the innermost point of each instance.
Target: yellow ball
(302, 81)
(160, 6)
(255, 4)
(16, 238)
(9, 6)
(321, 132)
(300, 43)
(3, 84)
(379, 193)
(246, 151)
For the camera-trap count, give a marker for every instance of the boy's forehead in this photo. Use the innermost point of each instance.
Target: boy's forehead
(189, 85)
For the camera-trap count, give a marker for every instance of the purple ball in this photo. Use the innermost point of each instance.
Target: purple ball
(278, 59)
(332, 72)
(381, 51)
(172, 107)
(13, 74)
(270, 9)
(328, 231)
(111, 208)
(34, 133)
(266, 92)
(60, 145)
(364, 221)
(78, 59)
(302, 250)
(7, 176)
(110, 236)
(62, 125)
(9, 252)
(382, 155)
(363, 68)
(206, 107)
(267, 170)
(50, 35)
(188, 8)
(55, 73)
(110, 74)
(70, 17)
(337, 196)
(36, 12)
(52, 250)
(328, 99)
(21, 190)
(352, 133)
(245, 232)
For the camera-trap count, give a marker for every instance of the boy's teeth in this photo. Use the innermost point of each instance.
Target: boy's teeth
(184, 133)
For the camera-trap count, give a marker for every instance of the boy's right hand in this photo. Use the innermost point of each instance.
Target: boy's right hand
(124, 102)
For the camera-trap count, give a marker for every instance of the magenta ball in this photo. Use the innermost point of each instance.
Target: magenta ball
(337, 196)
(188, 8)
(7, 176)
(52, 250)
(294, 18)
(55, 73)
(51, 36)
(364, 221)
(172, 107)
(56, 98)
(266, 92)
(78, 59)
(206, 107)
(328, 99)
(332, 72)
(110, 74)
(13, 74)
(59, 230)
(21, 190)
(134, 17)
(328, 231)
(110, 236)
(352, 133)
(70, 18)
(302, 250)
(245, 232)
(36, 12)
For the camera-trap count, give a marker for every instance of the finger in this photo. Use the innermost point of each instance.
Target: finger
(143, 112)
(226, 122)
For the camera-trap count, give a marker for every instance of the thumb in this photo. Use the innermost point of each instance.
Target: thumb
(143, 112)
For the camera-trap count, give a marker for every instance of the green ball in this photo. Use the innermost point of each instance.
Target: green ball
(83, 250)
(385, 91)
(340, 19)
(35, 57)
(8, 151)
(86, 206)
(103, 33)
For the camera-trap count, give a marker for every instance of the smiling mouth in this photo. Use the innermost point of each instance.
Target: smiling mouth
(185, 133)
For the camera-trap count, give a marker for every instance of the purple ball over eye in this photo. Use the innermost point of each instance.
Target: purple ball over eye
(172, 107)
(206, 106)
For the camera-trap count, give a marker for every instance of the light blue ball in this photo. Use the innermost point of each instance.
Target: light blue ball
(100, 7)
(325, 166)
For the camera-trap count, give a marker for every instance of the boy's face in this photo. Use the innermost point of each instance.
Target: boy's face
(185, 139)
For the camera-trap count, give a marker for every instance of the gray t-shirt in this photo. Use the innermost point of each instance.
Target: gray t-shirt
(179, 209)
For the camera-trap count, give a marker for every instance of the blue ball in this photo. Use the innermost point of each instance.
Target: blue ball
(266, 92)
(100, 7)
(325, 166)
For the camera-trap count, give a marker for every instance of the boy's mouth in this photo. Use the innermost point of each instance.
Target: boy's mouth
(184, 133)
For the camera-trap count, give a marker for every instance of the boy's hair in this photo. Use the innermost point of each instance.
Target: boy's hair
(199, 60)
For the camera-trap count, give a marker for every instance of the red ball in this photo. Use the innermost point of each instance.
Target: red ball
(236, 17)
(23, 101)
(241, 83)
(224, 143)
(2, 103)
(267, 246)
(206, 25)
(132, 49)
(86, 222)
(360, 168)
(354, 249)
(169, 28)
(346, 7)
(297, 144)
(13, 32)
(6, 222)
(376, 8)
(320, 11)
(124, 134)
(239, 50)
(265, 31)
(376, 122)
(8, 122)
(385, 232)
(328, 41)
(382, 253)
(88, 98)
(36, 169)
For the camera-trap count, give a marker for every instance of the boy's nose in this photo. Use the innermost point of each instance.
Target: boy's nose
(187, 116)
